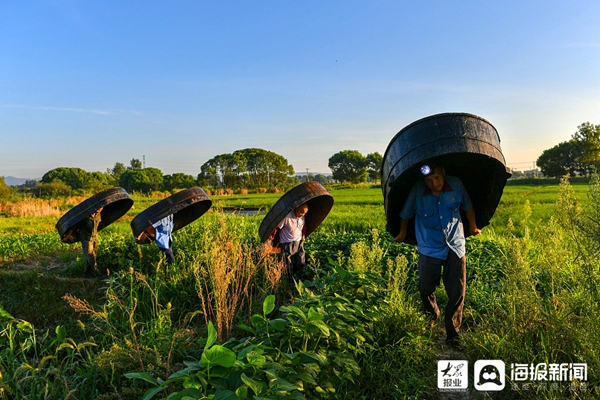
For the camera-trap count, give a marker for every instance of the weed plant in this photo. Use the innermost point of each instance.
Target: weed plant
(544, 300)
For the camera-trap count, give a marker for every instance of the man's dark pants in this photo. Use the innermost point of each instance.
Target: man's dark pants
(455, 282)
(168, 252)
(293, 257)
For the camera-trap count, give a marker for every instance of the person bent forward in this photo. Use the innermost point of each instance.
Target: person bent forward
(291, 236)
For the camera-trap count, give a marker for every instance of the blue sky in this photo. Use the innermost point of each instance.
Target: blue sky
(88, 84)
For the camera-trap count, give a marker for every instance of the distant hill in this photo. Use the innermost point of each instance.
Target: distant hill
(12, 181)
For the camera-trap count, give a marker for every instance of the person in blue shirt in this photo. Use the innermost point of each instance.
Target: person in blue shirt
(435, 203)
(162, 236)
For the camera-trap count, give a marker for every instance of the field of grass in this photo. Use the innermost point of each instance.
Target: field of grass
(222, 323)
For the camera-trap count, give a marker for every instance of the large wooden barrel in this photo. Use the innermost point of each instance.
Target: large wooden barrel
(115, 202)
(319, 202)
(467, 146)
(186, 206)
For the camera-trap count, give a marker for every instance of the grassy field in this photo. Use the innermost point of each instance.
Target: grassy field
(354, 209)
(352, 330)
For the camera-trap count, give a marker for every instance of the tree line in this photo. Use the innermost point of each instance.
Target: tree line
(252, 168)
(578, 156)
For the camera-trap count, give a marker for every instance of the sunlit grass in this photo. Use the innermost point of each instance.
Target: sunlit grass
(530, 295)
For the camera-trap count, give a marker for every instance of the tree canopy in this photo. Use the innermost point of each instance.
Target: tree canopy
(117, 170)
(77, 178)
(562, 159)
(143, 180)
(578, 156)
(374, 161)
(178, 180)
(588, 136)
(348, 166)
(135, 164)
(72, 176)
(247, 168)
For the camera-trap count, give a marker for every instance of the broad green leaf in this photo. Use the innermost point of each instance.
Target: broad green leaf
(225, 395)
(61, 333)
(273, 372)
(313, 315)
(218, 355)
(256, 360)
(258, 320)
(321, 326)
(306, 377)
(256, 386)
(150, 393)
(141, 375)
(246, 328)
(295, 310)
(311, 328)
(242, 392)
(212, 336)
(281, 385)
(185, 372)
(314, 357)
(241, 354)
(278, 324)
(268, 305)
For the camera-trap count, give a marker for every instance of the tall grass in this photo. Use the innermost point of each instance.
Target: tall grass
(544, 308)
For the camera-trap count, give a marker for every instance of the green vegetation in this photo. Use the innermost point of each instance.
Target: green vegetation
(578, 156)
(351, 166)
(222, 322)
(248, 168)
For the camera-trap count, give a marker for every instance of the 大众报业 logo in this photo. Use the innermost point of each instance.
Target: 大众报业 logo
(453, 374)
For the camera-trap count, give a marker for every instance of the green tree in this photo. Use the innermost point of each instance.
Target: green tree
(178, 180)
(143, 180)
(564, 158)
(374, 161)
(97, 181)
(4, 189)
(72, 176)
(348, 166)
(250, 168)
(589, 137)
(117, 170)
(135, 164)
(263, 168)
(322, 179)
(218, 171)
